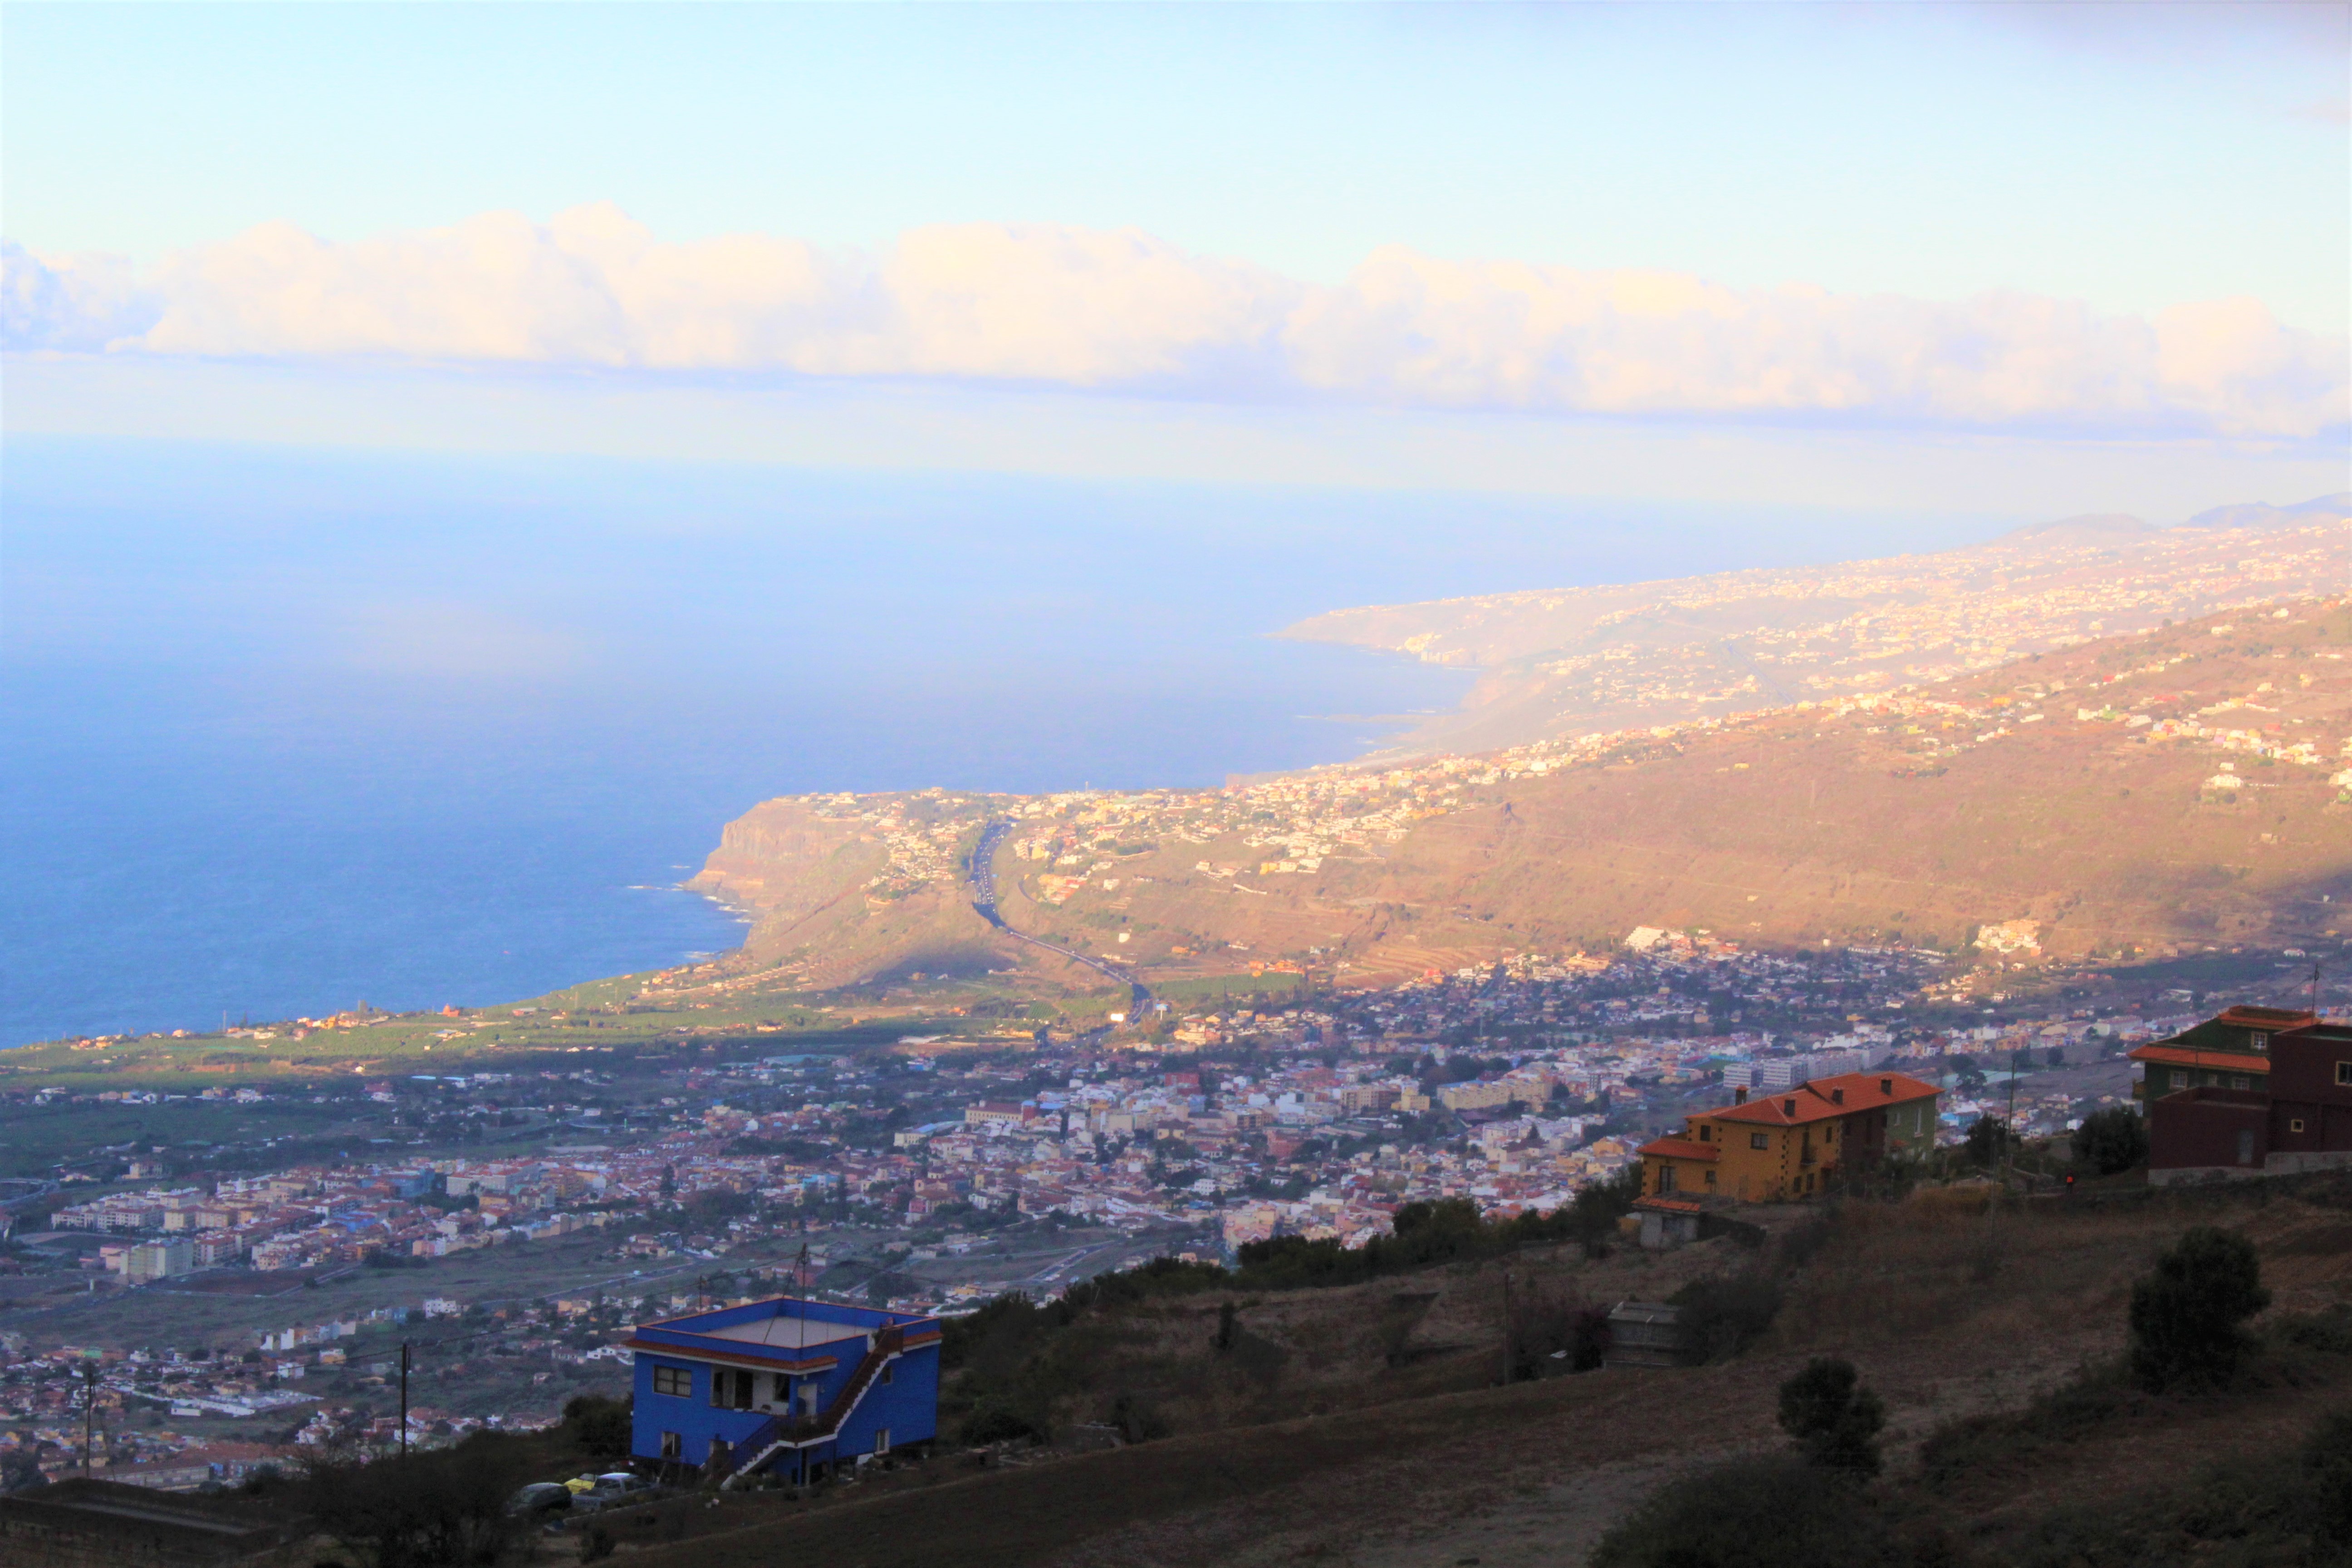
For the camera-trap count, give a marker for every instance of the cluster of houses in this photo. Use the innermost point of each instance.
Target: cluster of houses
(2252, 1091)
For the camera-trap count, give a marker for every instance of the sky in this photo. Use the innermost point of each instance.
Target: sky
(2006, 259)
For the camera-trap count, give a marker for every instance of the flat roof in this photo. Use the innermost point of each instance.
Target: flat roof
(787, 1333)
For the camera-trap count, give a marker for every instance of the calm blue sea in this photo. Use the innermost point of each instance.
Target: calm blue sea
(288, 729)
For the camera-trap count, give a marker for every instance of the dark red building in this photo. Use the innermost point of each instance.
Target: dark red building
(2296, 1116)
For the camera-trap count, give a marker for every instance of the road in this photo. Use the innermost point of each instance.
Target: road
(980, 873)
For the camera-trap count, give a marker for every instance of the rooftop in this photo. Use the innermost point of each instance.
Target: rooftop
(781, 1329)
(1826, 1098)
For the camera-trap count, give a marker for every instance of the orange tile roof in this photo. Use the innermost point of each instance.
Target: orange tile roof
(1814, 1103)
(1672, 1148)
(1670, 1205)
(2181, 1056)
(2269, 1018)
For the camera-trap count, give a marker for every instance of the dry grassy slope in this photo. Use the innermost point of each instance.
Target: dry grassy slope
(1804, 825)
(803, 878)
(1785, 828)
(1949, 1313)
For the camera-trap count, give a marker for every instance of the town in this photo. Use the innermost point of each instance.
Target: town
(545, 1211)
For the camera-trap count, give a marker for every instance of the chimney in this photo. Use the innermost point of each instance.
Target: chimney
(1886, 1086)
(1740, 1095)
(1788, 1108)
(1837, 1096)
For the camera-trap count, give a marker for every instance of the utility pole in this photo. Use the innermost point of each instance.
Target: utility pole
(1506, 1326)
(2009, 1141)
(404, 1398)
(89, 1376)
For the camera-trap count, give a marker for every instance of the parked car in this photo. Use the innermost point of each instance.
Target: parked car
(540, 1497)
(616, 1488)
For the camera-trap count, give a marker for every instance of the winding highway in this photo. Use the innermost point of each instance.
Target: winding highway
(980, 873)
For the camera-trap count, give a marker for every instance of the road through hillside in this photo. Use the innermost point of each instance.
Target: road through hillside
(980, 876)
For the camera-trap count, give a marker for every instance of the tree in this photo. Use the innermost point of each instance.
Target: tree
(2112, 1140)
(440, 1509)
(601, 1426)
(2185, 1317)
(1834, 1419)
(1988, 1139)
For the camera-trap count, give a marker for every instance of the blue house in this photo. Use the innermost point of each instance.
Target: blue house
(786, 1386)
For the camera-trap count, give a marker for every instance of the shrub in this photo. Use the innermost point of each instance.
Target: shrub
(444, 1509)
(2326, 1479)
(1552, 1330)
(1834, 1419)
(1722, 1317)
(1766, 1513)
(600, 1426)
(1137, 1419)
(2185, 1317)
(2111, 1141)
(994, 1424)
(1805, 1239)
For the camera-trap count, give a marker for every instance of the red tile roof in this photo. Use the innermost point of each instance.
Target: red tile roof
(1827, 1099)
(2181, 1056)
(1670, 1205)
(1678, 1148)
(2268, 1018)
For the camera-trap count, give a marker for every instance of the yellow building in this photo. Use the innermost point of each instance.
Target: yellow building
(1787, 1144)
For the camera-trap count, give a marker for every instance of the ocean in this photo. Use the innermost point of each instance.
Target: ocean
(291, 729)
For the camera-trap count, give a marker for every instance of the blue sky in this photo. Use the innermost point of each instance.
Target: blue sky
(2135, 162)
(1855, 201)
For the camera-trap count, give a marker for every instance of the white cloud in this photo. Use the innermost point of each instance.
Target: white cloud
(1088, 309)
(68, 303)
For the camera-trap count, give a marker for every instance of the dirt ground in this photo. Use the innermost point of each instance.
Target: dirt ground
(1948, 1313)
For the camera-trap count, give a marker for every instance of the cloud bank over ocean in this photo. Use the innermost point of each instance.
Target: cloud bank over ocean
(1047, 305)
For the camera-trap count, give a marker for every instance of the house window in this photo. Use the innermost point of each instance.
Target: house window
(730, 1389)
(2240, 1080)
(1706, 1134)
(882, 1441)
(2344, 1074)
(1829, 1134)
(1710, 1178)
(1760, 1141)
(1666, 1179)
(674, 1380)
(2260, 1040)
(2245, 1146)
(673, 1446)
(2295, 1125)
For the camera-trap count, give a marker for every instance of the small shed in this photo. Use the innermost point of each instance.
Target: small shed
(1646, 1334)
(1668, 1222)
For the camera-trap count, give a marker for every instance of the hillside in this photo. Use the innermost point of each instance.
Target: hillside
(1557, 661)
(2130, 798)
(1330, 1449)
